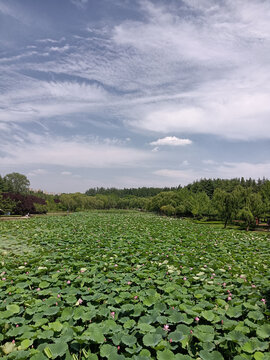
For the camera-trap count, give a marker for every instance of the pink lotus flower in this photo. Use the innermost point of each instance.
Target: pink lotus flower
(263, 300)
(4, 279)
(166, 328)
(129, 283)
(68, 282)
(253, 286)
(80, 301)
(197, 318)
(112, 314)
(135, 297)
(184, 278)
(170, 340)
(229, 298)
(38, 289)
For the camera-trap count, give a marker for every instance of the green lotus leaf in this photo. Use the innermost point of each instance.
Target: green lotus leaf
(263, 331)
(215, 355)
(13, 308)
(129, 340)
(106, 350)
(165, 355)
(176, 336)
(151, 339)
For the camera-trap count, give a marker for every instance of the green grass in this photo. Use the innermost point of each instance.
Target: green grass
(129, 285)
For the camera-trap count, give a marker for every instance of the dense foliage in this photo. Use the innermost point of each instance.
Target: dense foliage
(126, 285)
(139, 192)
(24, 204)
(245, 201)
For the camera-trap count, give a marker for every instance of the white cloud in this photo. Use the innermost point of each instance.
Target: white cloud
(245, 169)
(48, 40)
(183, 176)
(206, 73)
(77, 152)
(59, 49)
(65, 173)
(226, 170)
(79, 3)
(33, 99)
(209, 162)
(37, 172)
(171, 141)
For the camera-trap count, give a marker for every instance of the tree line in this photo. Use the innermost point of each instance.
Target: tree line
(239, 199)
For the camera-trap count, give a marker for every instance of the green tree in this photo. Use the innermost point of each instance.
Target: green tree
(246, 215)
(17, 183)
(226, 205)
(6, 205)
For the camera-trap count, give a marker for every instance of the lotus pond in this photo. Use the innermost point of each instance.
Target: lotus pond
(129, 285)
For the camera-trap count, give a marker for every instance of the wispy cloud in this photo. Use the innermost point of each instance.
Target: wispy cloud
(171, 141)
(206, 73)
(78, 153)
(224, 170)
(79, 3)
(37, 172)
(34, 99)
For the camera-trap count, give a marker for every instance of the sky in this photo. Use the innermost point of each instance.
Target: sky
(132, 93)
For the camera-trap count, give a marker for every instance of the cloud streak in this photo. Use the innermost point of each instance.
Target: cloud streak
(77, 153)
(171, 141)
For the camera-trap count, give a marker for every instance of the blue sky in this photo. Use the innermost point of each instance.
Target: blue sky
(131, 93)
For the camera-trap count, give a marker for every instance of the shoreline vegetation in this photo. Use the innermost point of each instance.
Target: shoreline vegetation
(241, 203)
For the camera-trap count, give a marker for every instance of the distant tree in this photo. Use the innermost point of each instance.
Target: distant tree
(265, 194)
(246, 215)
(200, 204)
(17, 183)
(226, 205)
(23, 203)
(6, 205)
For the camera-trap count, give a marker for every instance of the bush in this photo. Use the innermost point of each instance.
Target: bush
(167, 210)
(24, 204)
